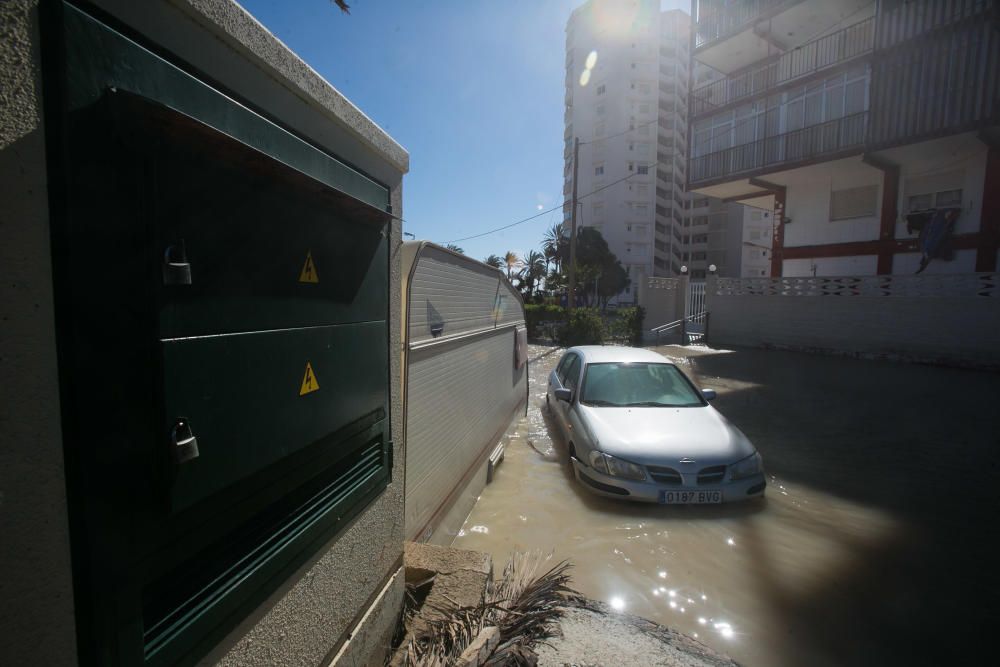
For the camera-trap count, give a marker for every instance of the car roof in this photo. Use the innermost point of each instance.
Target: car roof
(595, 354)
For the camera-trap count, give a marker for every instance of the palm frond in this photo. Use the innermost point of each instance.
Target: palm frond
(523, 605)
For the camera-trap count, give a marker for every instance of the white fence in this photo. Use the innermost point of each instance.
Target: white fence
(951, 319)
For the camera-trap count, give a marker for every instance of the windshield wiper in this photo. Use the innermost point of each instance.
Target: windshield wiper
(652, 404)
(601, 404)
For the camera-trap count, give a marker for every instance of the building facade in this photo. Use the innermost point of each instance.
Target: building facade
(626, 101)
(857, 122)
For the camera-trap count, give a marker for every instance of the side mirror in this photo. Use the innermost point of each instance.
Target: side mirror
(709, 394)
(564, 395)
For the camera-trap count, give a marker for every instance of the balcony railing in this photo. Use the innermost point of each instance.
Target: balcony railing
(815, 56)
(815, 141)
(717, 22)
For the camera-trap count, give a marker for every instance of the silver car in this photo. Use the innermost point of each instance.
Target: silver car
(638, 428)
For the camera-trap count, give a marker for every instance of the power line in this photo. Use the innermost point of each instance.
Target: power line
(513, 224)
(554, 208)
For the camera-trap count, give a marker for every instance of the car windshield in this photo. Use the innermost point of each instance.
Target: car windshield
(633, 384)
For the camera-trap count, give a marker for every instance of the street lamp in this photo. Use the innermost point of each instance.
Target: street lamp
(684, 269)
(712, 268)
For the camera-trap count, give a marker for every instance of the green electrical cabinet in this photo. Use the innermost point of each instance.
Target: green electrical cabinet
(222, 300)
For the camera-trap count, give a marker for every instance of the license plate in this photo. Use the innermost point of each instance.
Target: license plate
(690, 497)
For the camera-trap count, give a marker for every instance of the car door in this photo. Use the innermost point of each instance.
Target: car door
(568, 379)
(556, 381)
(570, 416)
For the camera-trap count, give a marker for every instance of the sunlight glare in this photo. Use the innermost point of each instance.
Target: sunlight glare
(591, 60)
(585, 77)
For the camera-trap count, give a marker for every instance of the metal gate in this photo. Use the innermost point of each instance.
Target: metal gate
(694, 311)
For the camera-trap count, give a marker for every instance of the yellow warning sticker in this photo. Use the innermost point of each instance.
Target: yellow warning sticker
(309, 381)
(309, 274)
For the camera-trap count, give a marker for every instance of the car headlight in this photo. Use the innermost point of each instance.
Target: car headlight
(748, 467)
(610, 465)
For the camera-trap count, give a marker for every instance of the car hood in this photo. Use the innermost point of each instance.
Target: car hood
(664, 436)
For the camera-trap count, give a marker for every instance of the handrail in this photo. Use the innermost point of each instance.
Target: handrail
(672, 325)
(813, 56)
(804, 143)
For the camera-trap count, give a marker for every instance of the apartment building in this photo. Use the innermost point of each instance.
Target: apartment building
(847, 117)
(626, 101)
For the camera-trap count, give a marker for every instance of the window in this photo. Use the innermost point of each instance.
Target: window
(644, 89)
(573, 373)
(598, 210)
(570, 373)
(943, 199)
(599, 109)
(599, 170)
(643, 169)
(643, 130)
(599, 129)
(601, 89)
(643, 107)
(642, 190)
(854, 202)
(631, 166)
(642, 210)
(628, 228)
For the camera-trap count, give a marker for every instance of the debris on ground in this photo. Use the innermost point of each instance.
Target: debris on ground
(456, 615)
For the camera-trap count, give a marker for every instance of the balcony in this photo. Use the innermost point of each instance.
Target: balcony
(736, 34)
(812, 57)
(825, 140)
(719, 22)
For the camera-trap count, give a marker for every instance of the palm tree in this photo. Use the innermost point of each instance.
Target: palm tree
(455, 248)
(533, 271)
(495, 261)
(553, 241)
(511, 260)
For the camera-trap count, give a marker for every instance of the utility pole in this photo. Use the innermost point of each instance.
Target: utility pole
(572, 233)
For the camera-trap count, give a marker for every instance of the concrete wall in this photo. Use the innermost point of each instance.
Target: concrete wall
(937, 319)
(807, 205)
(36, 615)
(348, 587)
(663, 299)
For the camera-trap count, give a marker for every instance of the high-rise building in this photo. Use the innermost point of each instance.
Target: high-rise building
(626, 101)
(860, 123)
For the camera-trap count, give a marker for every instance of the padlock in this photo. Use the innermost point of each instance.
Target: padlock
(176, 269)
(183, 444)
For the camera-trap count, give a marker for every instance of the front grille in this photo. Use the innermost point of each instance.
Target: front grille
(665, 475)
(711, 475)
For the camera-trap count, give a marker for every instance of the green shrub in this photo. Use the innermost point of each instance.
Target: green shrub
(586, 327)
(631, 322)
(535, 313)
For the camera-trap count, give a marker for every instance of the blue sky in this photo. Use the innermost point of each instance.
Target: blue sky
(472, 89)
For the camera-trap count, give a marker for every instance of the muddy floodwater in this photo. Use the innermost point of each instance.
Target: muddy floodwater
(875, 544)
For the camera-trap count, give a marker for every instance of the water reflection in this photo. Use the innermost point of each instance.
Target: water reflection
(824, 571)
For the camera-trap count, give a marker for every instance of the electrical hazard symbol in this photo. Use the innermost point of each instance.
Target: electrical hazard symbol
(309, 274)
(309, 381)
